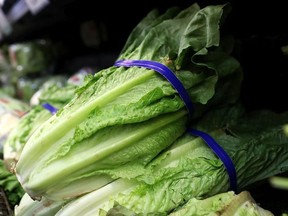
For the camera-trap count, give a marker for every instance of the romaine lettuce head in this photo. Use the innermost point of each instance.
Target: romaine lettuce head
(127, 116)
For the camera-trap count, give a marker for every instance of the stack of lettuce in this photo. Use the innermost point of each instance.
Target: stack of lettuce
(122, 138)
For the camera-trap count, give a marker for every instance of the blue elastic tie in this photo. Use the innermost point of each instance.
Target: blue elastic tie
(50, 108)
(166, 72)
(219, 151)
(175, 82)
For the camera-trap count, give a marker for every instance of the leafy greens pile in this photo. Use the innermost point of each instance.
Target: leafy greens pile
(121, 141)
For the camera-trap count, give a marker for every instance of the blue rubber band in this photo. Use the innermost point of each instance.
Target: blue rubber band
(50, 108)
(166, 72)
(219, 151)
(175, 82)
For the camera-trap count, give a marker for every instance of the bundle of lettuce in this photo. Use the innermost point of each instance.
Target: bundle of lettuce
(187, 178)
(52, 95)
(125, 116)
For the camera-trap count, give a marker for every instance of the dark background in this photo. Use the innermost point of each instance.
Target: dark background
(260, 28)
